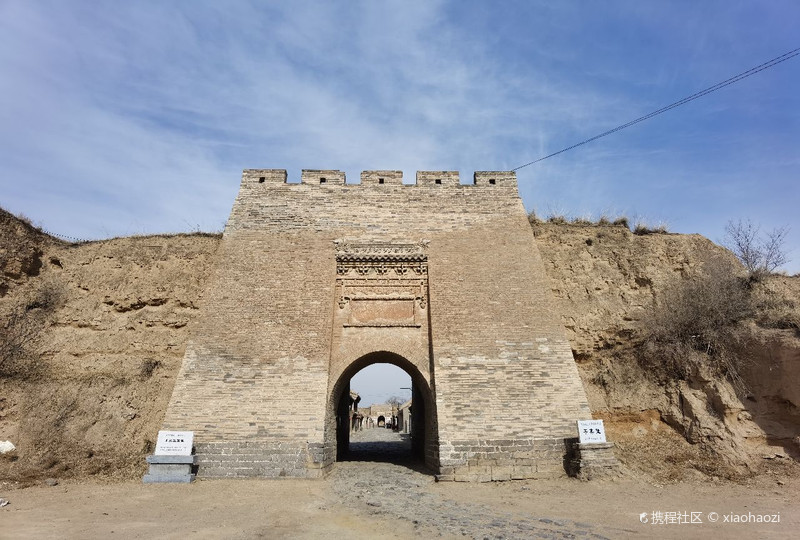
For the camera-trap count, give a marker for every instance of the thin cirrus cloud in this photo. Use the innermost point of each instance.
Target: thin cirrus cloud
(123, 118)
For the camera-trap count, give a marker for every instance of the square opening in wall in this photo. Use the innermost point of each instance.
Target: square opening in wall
(261, 179)
(491, 181)
(438, 180)
(380, 180)
(323, 180)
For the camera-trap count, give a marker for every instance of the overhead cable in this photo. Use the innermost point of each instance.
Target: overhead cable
(736, 78)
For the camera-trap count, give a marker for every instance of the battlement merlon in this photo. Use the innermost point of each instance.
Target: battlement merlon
(369, 178)
(332, 177)
(323, 177)
(481, 178)
(445, 178)
(262, 176)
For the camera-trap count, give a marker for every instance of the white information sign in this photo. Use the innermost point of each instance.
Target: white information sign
(174, 443)
(591, 431)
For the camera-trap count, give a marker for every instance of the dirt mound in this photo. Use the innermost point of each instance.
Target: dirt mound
(21, 249)
(98, 333)
(608, 282)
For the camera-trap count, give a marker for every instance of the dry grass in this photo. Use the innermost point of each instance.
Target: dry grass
(561, 218)
(651, 448)
(642, 229)
(694, 327)
(21, 330)
(148, 367)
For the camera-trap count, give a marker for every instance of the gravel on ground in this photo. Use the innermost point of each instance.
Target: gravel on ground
(380, 492)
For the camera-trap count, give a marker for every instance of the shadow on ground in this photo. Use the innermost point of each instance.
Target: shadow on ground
(379, 445)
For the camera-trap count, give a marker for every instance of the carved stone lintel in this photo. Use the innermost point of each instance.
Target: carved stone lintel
(380, 251)
(381, 270)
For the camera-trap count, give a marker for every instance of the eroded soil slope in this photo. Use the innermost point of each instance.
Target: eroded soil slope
(99, 330)
(608, 281)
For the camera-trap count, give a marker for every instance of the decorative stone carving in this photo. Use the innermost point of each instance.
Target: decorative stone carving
(388, 281)
(380, 251)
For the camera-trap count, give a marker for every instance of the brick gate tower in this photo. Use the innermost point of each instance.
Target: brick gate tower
(316, 280)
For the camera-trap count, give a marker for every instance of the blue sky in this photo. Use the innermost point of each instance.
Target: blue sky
(122, 118)
(379, 382)
(138, 117)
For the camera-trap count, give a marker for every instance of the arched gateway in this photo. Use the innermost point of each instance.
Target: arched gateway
(315, 280)
(423, 434)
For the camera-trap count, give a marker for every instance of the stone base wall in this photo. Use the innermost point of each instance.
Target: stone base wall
(241, 459)
(591, 461)
(505, 459)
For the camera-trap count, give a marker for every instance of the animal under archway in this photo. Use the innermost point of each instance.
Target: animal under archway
(424, 432)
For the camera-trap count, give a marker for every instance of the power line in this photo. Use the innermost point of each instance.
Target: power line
(736, 78)
(65, 237)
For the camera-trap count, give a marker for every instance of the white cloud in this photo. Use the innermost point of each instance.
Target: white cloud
(138, 117)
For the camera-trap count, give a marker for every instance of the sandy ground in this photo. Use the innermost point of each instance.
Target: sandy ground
(375, 499)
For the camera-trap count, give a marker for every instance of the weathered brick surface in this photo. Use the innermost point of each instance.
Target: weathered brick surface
(278, 338)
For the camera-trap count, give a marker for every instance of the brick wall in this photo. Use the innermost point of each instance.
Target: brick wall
(274, 348)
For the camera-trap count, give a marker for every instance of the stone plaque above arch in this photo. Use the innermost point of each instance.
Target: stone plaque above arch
(381, 284)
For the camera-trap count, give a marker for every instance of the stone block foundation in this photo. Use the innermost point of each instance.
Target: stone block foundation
(591, 461)
(169, 469)
(242, 459)
(505, 459)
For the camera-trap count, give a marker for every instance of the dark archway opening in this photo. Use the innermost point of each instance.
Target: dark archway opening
(404, 434)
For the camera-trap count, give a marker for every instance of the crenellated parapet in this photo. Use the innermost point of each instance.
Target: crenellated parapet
(332, 177)
(443, 178)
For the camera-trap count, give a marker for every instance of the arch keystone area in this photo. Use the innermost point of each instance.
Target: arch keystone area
(442, 278)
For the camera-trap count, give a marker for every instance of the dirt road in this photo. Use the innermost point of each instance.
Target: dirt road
(372, 498)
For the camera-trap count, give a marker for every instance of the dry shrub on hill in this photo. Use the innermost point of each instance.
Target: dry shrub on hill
(761, 253)
(694, 327)
(775, 310)
(21, 328)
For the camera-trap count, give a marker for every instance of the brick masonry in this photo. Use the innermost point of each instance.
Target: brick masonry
(318, 279)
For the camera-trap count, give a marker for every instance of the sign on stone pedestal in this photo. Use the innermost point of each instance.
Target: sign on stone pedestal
(591, 431)
(172, 460)
(174, 443)
(593, 456)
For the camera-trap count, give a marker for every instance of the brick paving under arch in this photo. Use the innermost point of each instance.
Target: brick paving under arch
(380, 445)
